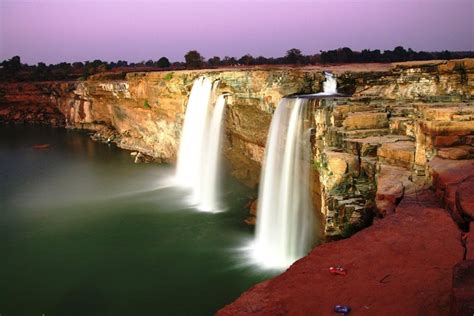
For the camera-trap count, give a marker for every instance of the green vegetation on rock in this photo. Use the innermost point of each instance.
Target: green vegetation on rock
(146, 105)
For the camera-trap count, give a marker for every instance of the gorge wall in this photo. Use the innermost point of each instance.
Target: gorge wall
(370, 149)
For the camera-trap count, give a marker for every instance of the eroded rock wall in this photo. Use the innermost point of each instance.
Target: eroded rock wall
(368, 148)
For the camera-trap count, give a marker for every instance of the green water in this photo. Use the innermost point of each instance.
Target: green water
(85, 231)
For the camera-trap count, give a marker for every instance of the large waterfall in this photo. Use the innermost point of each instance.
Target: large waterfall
(285, 221)
(285, 217)
(198, 158)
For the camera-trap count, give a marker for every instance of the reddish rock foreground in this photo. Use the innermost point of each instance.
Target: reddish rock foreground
(402, 265)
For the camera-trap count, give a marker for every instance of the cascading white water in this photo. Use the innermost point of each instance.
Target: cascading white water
(330, 84)
(329, 87)
(208, 196)
(190, 156)
(285, 221)
(198, 158)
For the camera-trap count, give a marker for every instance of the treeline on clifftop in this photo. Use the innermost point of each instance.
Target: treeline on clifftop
(13, 70)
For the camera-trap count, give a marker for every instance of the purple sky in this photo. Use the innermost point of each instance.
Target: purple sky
(134, 30)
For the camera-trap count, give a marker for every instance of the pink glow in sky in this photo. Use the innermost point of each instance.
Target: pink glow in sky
(76, 30)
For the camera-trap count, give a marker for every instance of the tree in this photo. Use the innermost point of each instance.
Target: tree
(193, 59)
(163, 62)
(76, 65)
(400, 54)
(260, 60)
(214, 61)
(122, 63)
(12, 65)
(293, 56)
(246, 60)
(229, 61)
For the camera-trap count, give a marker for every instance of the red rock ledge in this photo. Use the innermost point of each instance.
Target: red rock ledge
(402, 265)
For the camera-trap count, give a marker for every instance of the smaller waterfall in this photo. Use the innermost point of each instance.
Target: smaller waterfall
(330, 85)
(208, 199)
(285, 221)
(198, 158)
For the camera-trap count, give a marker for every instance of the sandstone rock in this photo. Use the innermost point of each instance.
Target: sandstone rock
(410, 276)
(402, 126)
(462, 296)
(400, 153)
(368, 146)
(469, 242)
(391, 183)
(465, 197)
(366, 120)
(368, 165)
(446, 141)
(447, 128)
(385, 207)
(447, 176)
(459, 112)
(453, 153)
(341, 111)
(363, 133)
(340, 166)
(446, 172)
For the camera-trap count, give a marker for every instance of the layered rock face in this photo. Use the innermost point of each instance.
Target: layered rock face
(374, 147)
(368, 149)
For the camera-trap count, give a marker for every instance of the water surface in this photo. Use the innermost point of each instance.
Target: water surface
(85, 231)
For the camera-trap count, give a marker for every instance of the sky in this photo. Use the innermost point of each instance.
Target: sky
(53, 31)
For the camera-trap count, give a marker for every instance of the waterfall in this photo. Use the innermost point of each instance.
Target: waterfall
(208, 199)
(198, 156)
(285, 221)
(330, 85)
(190, 156)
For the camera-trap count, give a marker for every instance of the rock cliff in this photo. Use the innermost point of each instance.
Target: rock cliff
(368, 148)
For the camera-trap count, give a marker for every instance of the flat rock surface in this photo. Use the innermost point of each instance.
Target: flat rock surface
(402, 265)
(446, 171)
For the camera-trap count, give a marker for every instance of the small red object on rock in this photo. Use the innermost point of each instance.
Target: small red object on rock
(338, 270)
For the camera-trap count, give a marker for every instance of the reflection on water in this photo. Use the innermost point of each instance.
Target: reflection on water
(84, 231)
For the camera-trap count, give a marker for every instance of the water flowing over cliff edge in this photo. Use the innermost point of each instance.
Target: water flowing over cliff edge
(406, 128)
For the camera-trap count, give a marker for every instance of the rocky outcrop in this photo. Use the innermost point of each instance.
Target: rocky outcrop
(401, 265)
(34, 102)
(400, 116)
